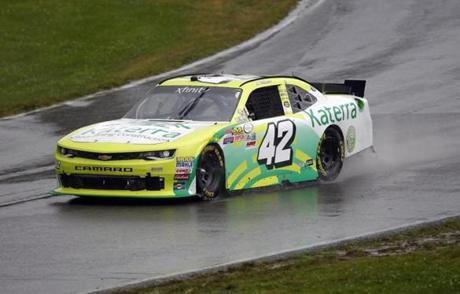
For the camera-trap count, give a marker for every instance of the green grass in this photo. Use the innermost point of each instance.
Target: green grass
(53, 50)
(418, 261)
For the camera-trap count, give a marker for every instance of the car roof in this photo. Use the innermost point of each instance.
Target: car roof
(218, 80)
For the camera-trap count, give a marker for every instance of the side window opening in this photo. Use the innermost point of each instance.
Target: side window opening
(299, 98)
(264, 103)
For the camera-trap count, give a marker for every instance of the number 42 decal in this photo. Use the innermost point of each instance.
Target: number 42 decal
(275, 149)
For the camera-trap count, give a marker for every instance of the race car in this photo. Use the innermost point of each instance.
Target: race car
(208, 134)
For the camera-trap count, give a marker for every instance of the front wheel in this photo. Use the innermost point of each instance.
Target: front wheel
(210, 173)
(330, 154)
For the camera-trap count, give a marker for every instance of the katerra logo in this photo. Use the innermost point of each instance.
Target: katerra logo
(327, 115)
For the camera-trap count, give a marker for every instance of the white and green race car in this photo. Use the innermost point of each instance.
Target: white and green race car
(206, 134)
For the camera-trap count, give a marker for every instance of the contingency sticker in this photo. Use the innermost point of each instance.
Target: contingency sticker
(238, 134)
(184, 167)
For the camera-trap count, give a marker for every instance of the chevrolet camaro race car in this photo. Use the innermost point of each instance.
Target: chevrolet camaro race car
(207, 134)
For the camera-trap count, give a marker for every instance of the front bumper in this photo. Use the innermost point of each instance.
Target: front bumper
(122, 178)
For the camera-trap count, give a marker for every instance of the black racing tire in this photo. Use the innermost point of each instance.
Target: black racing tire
(330, 154)
(210, 173)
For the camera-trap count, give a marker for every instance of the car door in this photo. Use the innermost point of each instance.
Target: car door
(259, 151)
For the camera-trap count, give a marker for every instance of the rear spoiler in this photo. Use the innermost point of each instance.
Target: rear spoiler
(350, 87)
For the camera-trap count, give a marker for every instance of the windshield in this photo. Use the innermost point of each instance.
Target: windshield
(190, 103)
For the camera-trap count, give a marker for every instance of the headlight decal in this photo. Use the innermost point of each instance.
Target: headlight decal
(155, 155)
(150, 155)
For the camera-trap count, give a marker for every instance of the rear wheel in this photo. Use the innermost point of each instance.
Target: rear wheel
(210, 173)
(330, 154)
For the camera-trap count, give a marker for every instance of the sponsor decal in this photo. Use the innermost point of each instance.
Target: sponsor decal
(284, 98)
(182, 177)
(307, 163)
(183, 168)
(351, 139)
(329, 115)
(251, 137)
(103, 168)
(133, 131)
(152, 133)
(248, 128)
(183, 171)
(179, 185)
(239, 134)
(251, 144)
(238, 138)
(237, 131)
(184, 162)
(191, 90)
(156, 169)
(228, 140)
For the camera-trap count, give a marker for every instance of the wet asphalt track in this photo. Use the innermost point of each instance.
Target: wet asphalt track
(409, 53)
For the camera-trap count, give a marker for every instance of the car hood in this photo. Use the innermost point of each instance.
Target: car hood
(136, 131)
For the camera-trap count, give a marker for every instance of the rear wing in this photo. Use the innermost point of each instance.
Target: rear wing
(349, 87)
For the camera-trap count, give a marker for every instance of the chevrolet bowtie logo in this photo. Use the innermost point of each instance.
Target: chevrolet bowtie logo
(104, 157)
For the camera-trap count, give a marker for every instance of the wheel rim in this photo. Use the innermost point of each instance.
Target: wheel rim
(329, 153)
(209, 172)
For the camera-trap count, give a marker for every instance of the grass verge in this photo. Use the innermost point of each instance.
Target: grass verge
(423, 260)
(55, 50)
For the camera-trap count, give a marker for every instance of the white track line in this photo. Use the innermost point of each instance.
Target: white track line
(27, 172)
(14, 202)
